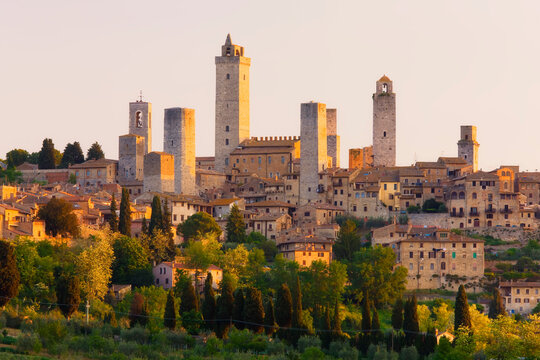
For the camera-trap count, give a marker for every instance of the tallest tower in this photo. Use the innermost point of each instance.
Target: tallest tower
(384, 123)
(232, 101)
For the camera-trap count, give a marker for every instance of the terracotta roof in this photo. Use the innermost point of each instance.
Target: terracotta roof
(453, 160)
(384, 78)
(269, 203)
(481, 175)
(93, 164)
(520, 284)
(429, 164)
(226, 201)
(205, 158)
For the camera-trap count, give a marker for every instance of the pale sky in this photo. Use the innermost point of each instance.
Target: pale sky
(68, 70)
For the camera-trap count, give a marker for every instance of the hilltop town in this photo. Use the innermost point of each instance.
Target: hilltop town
(447, 223)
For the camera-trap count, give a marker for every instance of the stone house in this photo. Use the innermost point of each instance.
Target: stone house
(165, 275)
(520, 297)
(95, 172)
(270, 224)
(306, 249)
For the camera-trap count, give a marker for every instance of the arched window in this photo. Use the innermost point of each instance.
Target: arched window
(474, 196)
(489, 223)
(385, 88)
(226, 141)
(384, 133)
(237, 53)
(228, 51)
(453, 196)
(462, 195)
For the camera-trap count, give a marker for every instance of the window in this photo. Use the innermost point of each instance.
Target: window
(432, 266)
(227, 128)
(517, 291)
(443, 266)
(226, 161)
(474, 196)
(410, 266)
(259, 159)
(283, 159)
(228, 76)
(474, 255)
(411, 255)
(395, 186)
(453, 255)
(385, 186)
(384, 133)
(270, 161)
(464, 245)
(166, 280)
(226, 141)
(421, 254)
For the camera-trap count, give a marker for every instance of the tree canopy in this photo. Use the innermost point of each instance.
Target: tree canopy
(199, 226)
(47, 158)
(59, 218)
(236, 227)
(95, 152)
(73, 154)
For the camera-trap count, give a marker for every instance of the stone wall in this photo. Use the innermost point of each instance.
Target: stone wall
(158, 172)
(131, 150)
(384, 124)
(439, 220)
(140, 122)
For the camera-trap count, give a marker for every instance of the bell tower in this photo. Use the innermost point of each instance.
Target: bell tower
(384, 123)
(140, 121)
(232, 101)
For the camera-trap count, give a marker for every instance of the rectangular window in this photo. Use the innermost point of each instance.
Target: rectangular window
(453, 255)
(474, 255)
(411, 255)
(260, 160)
(283, 159)
(269, 159)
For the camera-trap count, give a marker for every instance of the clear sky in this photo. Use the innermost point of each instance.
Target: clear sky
(68, 70)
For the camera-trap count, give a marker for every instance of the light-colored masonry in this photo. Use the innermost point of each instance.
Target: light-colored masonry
(384, 124)
(468, 146)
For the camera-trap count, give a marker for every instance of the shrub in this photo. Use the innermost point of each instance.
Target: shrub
(308, 341)
(12, 320)
(51, 332)
(179, 340)
(342, 350)
(137, 334)
(28, 343)
(127, 347)
(239, 339)
(408, 353)
(192, 321)
(312, 353)
(277, 347)
(213, 345)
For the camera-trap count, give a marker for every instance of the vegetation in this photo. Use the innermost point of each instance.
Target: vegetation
(434, 206)
(113, 221)
(47, 155)
(9, 274)
(199, 226)
(124, 224)
(73, 154)
(236, 227)
(59, 218)
(95, 152)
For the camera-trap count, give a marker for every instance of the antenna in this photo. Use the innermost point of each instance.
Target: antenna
(140, 95)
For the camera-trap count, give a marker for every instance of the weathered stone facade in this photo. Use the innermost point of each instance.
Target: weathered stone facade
(140, 122)
(179, 140)
(131, 151)
(332, 138)
(384, 124)
(313, 150)
(468, 146)
(232, 101)
(159, 172)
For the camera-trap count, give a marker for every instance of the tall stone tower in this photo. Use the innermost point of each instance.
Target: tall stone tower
(140, 122)
(158, 172)
(179, 140)
(313, 149)
(332, 137)
(384, 124)
(131, 150)
(468, 146)
(232, 101)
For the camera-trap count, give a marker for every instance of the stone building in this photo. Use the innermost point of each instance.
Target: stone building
(306, 249)
(131, 151)
(332, 138)
(520, 297)
(140, 122)
(232, 101)
(361, 158)
(384, 123)
(205, 162)
(268, 157)
(95, 172)
(159, 172)
(529, 186)
(179, 140)
(468, 146)
(313, 151)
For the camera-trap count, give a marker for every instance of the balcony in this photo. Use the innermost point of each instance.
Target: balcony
(474, 213)
(506, 211)
(457, 214)
(491, 211)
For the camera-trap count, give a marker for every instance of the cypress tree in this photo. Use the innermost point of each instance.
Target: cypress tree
(238, 309)
(397, 315)
(496, 307)
(224, 308)
(166, 226)
(95, 152)
(9, 273)
(124, 224)
(235, 228)
(169, 318)
(284, 310)
(144, 227)
(297, 322)
(254, 310)
(46, 155)
(326, 334)
(270, 318)
(136, 311)
(156, 219)
(430, 342)
(365, 339)
(462, 317)
(113, 221)
(410, 321)
(68, 294)
(376, 334)
(336, 323)
(188, 299)
(209, 303)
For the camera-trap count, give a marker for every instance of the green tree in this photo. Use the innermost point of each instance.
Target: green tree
(236, 227)
(323, 284)
(166, 226)
(68, 294)
(254, 310)
(94, 267)
(113, 221)
(33, 158)
(201, 254)
(225, 306)
(410, 321)
(336, 323)
(16, 157)
(199, 226)
(376, 333)
(209, 302)
(124, 224)
(297, 318)
(462, 317)
(238, 309)
(366, 324)
(138, 311)
(433, 206)
(156, 219)
(144, 226)
(169, 318)
(326, 334)
(284, 310)
(10, 176)
(397, 315)
(9, 274)
(189, 299)
(372, 271)
(348, 241)
(270, 318)
(59, 218)
(95, 152)
(496, 307)
(47, 155)
(131, 265)
(73, 154)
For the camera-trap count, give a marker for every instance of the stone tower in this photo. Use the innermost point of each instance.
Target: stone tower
(158, 172)
(131, 150)
(313, 149)
(468, 146)
(179, 140)
(384, 124)
(140, 122)
(232, 101)
(332, 136)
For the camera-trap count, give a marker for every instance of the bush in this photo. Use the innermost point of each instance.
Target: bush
(276, 347)
(213, 345)
(51, 331)
(308, 341)
(342, 350)
(137, 334)
(29, 343)
(128, 347)
(192, 321)
(408, 353)
(239, 339)
(180, 340)
(12, 320)
(312, 353)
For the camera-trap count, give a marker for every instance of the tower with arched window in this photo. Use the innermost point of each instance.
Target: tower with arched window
(232, 101)
(384, 123)
(468, 146)
(140, 122)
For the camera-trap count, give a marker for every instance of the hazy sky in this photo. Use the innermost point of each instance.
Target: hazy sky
(68, 70)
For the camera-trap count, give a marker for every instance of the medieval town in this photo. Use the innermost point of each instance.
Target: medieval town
(373, 231)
